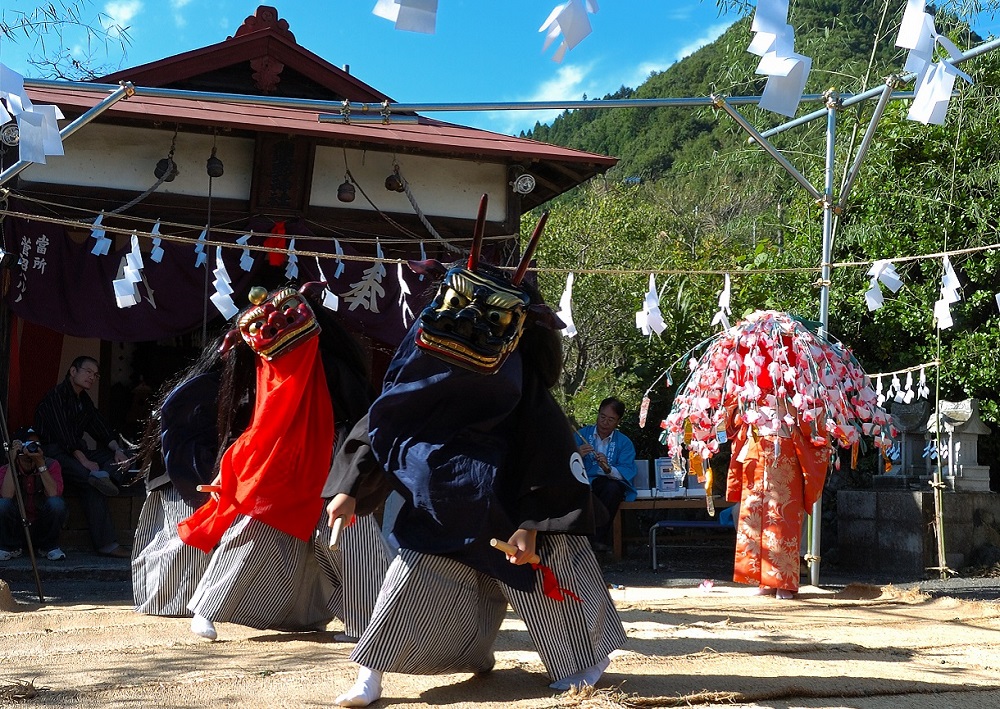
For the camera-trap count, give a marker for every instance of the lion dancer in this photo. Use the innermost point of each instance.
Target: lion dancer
(269, 566)
(477, 448)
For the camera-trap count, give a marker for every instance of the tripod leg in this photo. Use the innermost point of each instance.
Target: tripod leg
(12, 470)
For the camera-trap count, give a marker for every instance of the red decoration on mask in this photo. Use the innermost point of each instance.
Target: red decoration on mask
(276, 242)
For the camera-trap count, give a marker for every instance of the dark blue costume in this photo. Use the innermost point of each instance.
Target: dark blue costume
(474, 457)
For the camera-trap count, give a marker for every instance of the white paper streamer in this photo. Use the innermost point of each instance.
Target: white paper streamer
(156, 253)
(934, 82)
(409, 15)
(339, 251)
(126, 286)
(292, 269)
(923, 391)
(133, 261)
(103, 243)
(570, 20)
(199, 249)
(222, 299)
(38, 127)
(885, 272)
(404, 290)
(566, 308)
(330, 299)
(786, 70)
(949, 294)
(724, 306)
(649, 319)
(246, 260)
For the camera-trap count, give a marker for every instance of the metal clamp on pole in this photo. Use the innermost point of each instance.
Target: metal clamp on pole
(831, 99)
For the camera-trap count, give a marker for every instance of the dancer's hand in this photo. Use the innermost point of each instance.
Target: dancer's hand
(342, 505)
(524, 540)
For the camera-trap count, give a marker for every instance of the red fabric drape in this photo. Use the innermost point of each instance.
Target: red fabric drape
(276, 470)
(41, 350)
(276, 242)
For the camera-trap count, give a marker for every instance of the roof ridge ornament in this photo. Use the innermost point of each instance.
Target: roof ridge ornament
(264, 18)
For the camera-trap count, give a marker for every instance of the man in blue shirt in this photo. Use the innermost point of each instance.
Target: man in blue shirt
(609, 457)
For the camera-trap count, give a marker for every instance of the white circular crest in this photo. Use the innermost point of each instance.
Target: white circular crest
(578, 469)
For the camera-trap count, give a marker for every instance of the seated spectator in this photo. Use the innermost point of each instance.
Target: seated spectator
(64, 415)
(41, 484)
(609, 457)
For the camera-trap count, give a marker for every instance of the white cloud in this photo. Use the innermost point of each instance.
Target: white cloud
(177, 5)
(681, 11)
(569, 83)
(643, 70)
(711, 34)
(120, 14)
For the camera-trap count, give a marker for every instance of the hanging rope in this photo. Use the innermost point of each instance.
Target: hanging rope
(421, 216)
(168, 174)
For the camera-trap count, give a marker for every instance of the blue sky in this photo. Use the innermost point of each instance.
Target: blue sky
(482, 51)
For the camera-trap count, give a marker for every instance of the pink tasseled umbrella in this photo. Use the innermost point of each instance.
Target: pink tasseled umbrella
(768, 372)
(786, 398)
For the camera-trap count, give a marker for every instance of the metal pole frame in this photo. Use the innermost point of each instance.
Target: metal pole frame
(124, 91)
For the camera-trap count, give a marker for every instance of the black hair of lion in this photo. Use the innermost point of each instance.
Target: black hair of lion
(344, 362)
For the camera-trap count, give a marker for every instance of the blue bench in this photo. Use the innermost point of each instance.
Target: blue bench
(684, 524)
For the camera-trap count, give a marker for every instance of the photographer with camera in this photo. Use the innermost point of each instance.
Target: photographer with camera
(41, 484)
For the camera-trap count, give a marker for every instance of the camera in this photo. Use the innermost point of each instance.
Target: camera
(32, 446)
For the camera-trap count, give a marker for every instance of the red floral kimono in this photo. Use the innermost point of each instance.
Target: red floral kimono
(775, 479)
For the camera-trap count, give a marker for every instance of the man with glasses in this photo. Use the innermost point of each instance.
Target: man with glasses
(63, 416)
(609, 457)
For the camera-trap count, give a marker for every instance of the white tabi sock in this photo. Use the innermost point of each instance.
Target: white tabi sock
(200, 625)
(366, 690)
(589, 677)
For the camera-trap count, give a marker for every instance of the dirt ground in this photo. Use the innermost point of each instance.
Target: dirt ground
(860, 646)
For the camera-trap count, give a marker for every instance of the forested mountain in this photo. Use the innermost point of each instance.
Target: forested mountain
(837, 34)
(709, 204)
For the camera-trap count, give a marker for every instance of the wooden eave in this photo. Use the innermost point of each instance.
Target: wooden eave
(557, 169)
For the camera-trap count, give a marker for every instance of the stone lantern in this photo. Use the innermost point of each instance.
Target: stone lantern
(961, 426)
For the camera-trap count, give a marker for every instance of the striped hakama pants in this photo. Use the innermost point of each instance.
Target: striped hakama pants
(435, 615)
(266, 579)
(165, 570)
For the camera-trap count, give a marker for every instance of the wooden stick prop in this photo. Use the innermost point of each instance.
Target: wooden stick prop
(209, 488)
(511, 550)
(338, 525)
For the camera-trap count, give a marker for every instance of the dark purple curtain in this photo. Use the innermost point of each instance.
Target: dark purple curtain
(61, 285)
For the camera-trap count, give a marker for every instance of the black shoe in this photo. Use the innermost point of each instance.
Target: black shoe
(103, 485)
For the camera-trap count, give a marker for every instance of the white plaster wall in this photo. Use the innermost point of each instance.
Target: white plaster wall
(123, 158)
(118, 157)
(442, 187)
